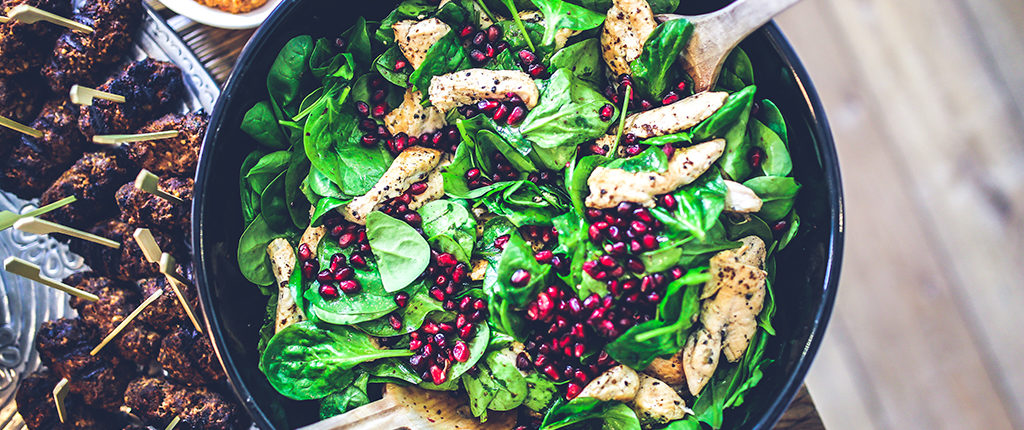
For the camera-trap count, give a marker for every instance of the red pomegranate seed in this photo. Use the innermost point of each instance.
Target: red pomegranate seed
(325, 276)
(309, 269)
(488, 106)
(670, 98)
(590, 267)
(527, 57)
(328, 291)
(400, 64)
(516, 116)
(437, 293)
(343, 274)
(395, 322)
(544, 257)
(617, 248)
(379, 111)
(357, 260)
(479, 304)
(460, 321)
(467, 31)
(415, 344)
(501, 113)
(520, 278)
(579, 349)
(493, 33)
(592, 301)
(369, 140)
(460, 352)
(430, 327)
(412, 218)
(639, 227)
(756, 157)
(780, 226)
(490, 51)
(500, 241)
(650, 242)
(466, 331)
(552, 373)
(472, 174)
(668, 201)
(607, 261)
(544, 305)
(447, 260)
(350, 286)
(681, 86)
(460, 272)
(304, 252)
(438, 375)
(402, 299)
(478, 56)
(606, 112)
(346, 240)
(594, 233)
(446, 328)
(536, 70)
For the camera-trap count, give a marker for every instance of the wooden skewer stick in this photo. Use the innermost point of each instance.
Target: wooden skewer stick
(117, 139)
(84, 95)
(146, 241)
(168, 266)
(28, 270)
(19, 127)
(8, 218)
(148, 182)
(31, 15)
(60, 392)
(128, 320)
(173, 423)
(40, 226)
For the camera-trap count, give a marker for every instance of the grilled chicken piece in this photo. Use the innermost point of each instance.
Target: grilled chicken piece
(34, 164)
(669, 370)
(410, 167)
(609, 187)
(24, 47)
(700, 358)
(676, 117)
(470, 86)
(126, 263)
(656, 403)
(188, 357)
(34, 399)
(151, 89)
(117, 299)
(166, 314)
(142, 209)
(728, 264)
(740, 199)
(626, 28)
(282, 260)
(93, 179)
(177, 156)
(157, 399)
(435, 185)
(84, 59)
(19, 100)
(415, 38)
(619, 383)
(412, 118)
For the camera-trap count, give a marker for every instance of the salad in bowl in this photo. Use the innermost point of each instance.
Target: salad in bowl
(522, 203)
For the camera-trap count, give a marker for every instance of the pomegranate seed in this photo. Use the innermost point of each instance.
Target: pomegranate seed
(466, 331)
(309, 268)
(594, 233)
(437, 375)
(395, 322)
(437, 293)
(379, 111)
(478, 56)
(449, 305)
(490, 51)
(590, 268)
(363, 109)
(460, 352)
(520, 278)
(328, 291)
(614, 233)
(447, 260)
(607, 261)
(494, 33)
(412, 218)
(670, 98)
(606, 112)
(578, 349)
(638, 226)
(439, 339)
(477, 316)
(592, 301)
(369, 140)
(500, 241)
(516, 116)
(472, 173)
(681, 86)
(669, 150)
(460, 272)
(650, 242)
(415, 344)
(501, 113)
(544, 305)
(325, 276)
(402, 299)
(617, 248)
(430, 327)
(668, 201)
(467, 31)
(350, 286)
(400, 64)
(343, 274)
(488, 106)
(416, 361)
(646, 105)
(527, 57)
(780, 226)
(544, 257)
(346, 240)
(460, 321)
(536, 70)
(756, 157)
(479, 38)
(428, 349)
(552, 372)
(357, 260)
(304, 252)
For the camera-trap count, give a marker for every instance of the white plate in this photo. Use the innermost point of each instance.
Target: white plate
(217, 18)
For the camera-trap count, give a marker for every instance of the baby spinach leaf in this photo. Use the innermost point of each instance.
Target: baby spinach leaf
(395, 369)
(653, 159)
(261, 124)
(274, 206)
(481, 389)
(420, 306)
(477, 347)
(285, 78)
(401, 253)
(568, 114)
(559, 15)
(699, 205)
(252, 252)
(322, 185)
(777, 161)
(577, 176)
(250, 197)
(371, 303)
(298, 170)
(519, 256)
(653, 70)
(446, 56)
(664, 6)
(514, 34)
(450, 225)
(737, 70)
(385, 65)
(777, 194)
(357, 40)
(325, 206)
(324, 62)
(582, 59)
(612, 415)
(747, 226)
(772, 117)
(266, 169)
(306, 362)
(540, 392)
(728, 385)
(764, 319)
(670, 139)
(351, 397)
(332, 145)
(730, 122)
(794, 228)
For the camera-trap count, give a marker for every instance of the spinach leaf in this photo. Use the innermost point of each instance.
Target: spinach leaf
(385, 65)
(728, 386)
(794, 228)
(266, 169)
(540, 392)
(777, 161)
(420, 306)
(447, 223)
(747, 226)
(285, 78)
(688, 250)
(699, 205)
(737, 71)
(730, 122)
(764, 319)
(324, 62)
(677, 312)
(778, 195)
(515, 36)
(583, 59)
(269, 319)
(250, 197)
(524, 203)
(653, 159)
(298, 170)
(499, 386)
(351, 397)
(477, 347)
(401, 253)
(577, 176)
(446, 56)
(332, 145)
(773, 118)
(519, 256)
(260, 123)
(626, 349)
(371, 303)
(670, 139)
(663, 6)
(653, 70)
(274, 206)
(503, 61)
(322, 185)
(560, 15)
(325, 206)
(614, 415)
(357, 40)
(568, 114)
(305, 361)
(253, 260)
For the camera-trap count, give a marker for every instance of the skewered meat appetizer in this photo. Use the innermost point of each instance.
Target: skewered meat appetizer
(35, 404)
(117, 299)
(85, 58)
(188, 357)
(142, 209)
(24, 47)
(151, 88)
(35, 163)
(161, 400)
(165, 314)
(176, 156)
(93, 179)
(64, 346)
(126, 263)
(19, 100)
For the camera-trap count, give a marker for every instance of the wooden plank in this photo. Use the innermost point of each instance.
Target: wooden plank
(801, 414)
(957, 137)
(901, 308)
(840, 385)
(999, 26)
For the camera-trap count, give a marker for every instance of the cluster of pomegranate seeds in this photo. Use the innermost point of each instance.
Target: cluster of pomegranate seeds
(446, 139)
(561, 338)
(448, 277)
(484, 45)
(510, 111)
(398, 207)
(547, 236)
(439, 344)
(307, 262)
(503, 171)
(616, 92)
(531, 64)
(543, 177)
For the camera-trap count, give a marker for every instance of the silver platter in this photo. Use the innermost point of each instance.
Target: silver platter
(24, 305)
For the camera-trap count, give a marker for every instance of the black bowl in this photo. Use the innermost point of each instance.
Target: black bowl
(808, 270)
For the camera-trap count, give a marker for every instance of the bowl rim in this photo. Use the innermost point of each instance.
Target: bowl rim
(820, 129)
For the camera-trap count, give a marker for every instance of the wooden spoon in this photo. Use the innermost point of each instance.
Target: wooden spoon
(716, 34)
(415, 408)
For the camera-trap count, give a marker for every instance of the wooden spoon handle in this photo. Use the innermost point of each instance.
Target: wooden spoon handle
(384, 414)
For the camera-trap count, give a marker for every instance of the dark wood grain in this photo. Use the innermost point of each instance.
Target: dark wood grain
(801, 415)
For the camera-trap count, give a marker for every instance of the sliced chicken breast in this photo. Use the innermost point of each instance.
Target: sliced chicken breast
(669, 369)
(415, 38)
(619, 383)
(740, 199)
(676, 117)
(412, 118)
(626, 28)
(470, 86)
(411, 166)
(657, 403)
(609, 187)
(435, 185)
(282, 259)
(700, 358)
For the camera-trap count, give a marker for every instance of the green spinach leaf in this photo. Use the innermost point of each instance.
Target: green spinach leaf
(653, 159)
(446, 56)
(519, 256)
(560, 15)
(253, 260)
(582, 59)
(274, 206)
(260, 123)
(351, 397)
(401, 253)
(613, 415)
(332, 145)
(450, 226)
(778, 195)
(654, 69)
(371, 303)
(420, 306)
(699, 205)
(284, 82)
(777, 161)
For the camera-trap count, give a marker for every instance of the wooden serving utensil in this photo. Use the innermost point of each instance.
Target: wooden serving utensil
(716, 34)
(415, 408)
(31, 15)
